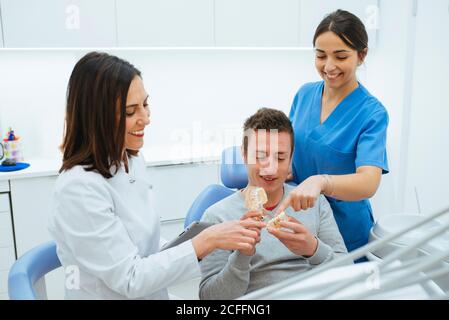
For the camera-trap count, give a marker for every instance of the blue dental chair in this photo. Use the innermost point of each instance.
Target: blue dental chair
(25, 276)
(233, 176)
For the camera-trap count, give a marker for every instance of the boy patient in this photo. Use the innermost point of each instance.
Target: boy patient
(304, 240)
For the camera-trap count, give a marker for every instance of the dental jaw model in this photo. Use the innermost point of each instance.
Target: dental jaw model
(255, 198)
(276, 221)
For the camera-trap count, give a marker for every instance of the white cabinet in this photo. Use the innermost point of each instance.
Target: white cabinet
(165, 23)
(176, 187)
(313, 11)
(4, 202)
(31, 199)
(4, 186)
(58, 23)
(172, 23)
(7, 250)
(4, 285)
(6, 233)
(257, 22)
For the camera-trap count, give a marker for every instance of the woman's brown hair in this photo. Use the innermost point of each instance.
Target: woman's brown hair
(95, 114)
(348, 27)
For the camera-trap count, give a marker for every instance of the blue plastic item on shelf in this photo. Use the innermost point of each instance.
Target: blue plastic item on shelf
(18, 166)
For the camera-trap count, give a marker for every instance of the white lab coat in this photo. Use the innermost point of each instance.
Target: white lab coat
(106, 229)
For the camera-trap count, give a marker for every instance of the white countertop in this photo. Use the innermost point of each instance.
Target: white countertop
(40, 167)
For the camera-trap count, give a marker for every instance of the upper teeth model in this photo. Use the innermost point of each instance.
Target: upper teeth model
(255, 198)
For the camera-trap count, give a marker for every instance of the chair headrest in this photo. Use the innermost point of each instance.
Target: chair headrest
(232, 169)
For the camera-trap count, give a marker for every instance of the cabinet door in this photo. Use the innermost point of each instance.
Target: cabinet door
(58, 23)
(31, 200)
(7, 258)
(7, 252)
(6, 234)
(257, 22)
(4, 202)
(176, 187)
(4, 186)
(165, 23)
(3, 284)
(312, 12)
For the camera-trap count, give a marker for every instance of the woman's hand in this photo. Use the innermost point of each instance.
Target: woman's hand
(240, 235)
(299, 240)
(304, 195)
(255, 216)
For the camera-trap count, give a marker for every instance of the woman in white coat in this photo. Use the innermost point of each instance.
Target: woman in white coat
(101, 217)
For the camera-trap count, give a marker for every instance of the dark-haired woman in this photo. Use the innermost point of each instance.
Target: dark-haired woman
(340, 131)
(107, 236)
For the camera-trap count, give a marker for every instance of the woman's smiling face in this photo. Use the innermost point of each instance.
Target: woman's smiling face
(137, 114)
(335, 61)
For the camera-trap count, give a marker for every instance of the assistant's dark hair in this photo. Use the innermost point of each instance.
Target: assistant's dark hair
(268, 119)
(348, 27)
(94, 134)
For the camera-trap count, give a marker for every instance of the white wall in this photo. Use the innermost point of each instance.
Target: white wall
(212, 90)
(427, 176)
(32, 92)
(386, 79)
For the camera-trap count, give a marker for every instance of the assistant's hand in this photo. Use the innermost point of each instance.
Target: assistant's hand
(298, 240)
(305, 194)
(230, 235)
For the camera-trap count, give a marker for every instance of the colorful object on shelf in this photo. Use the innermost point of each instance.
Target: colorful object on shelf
(11, 147)
(10, 136)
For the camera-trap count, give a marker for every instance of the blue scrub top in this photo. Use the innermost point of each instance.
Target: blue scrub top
(353, 135)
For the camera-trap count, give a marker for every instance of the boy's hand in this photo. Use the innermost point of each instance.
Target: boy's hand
(298, 240)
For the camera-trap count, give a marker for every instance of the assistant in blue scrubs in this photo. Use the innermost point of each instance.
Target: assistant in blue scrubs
(353, 135)
(340, 131)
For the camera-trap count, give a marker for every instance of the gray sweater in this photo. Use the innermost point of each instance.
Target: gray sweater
(231, 274)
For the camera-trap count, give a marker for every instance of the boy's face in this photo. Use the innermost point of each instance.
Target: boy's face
(268, 159)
